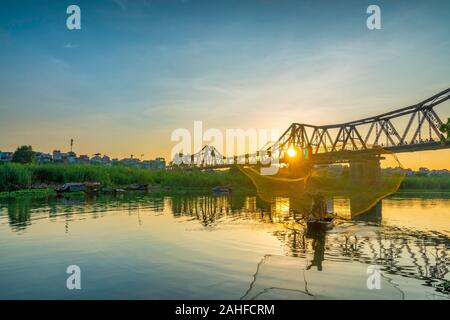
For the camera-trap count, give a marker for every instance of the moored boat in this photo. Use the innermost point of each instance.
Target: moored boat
(221, 190)
(322, 224)
(87, 187)
(71, 187)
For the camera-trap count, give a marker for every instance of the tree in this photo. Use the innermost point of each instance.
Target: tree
(23, 154)
(445, 129)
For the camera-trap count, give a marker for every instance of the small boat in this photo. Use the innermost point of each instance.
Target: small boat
(221, 190)
(71, 187)
(92, 187)
(322, 224)
(87, 187)
(321, 218)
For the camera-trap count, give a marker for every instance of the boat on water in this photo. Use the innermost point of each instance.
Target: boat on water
(322, 224)
(221, 190)
(71, 187)
(87, 187)
(320, 218)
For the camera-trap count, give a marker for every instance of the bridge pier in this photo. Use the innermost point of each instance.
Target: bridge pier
(365, 172)
(371, 215)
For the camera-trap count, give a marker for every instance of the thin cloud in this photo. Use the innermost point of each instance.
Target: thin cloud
(59, 62)
(70, 46)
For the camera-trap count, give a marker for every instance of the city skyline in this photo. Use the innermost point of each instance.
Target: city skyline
(140, 157)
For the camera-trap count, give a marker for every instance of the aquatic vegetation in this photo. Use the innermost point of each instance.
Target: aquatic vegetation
(28, 193)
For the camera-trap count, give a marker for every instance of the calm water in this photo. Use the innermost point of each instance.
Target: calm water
(203, 247)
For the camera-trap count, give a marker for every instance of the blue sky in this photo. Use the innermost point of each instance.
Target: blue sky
(139, 69)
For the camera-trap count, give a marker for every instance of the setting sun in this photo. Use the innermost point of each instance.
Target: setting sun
(291, 152)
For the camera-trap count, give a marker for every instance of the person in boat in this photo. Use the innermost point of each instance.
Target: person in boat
(319, 207)
(319, 210)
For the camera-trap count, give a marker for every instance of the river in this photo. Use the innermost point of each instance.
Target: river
(149, 246)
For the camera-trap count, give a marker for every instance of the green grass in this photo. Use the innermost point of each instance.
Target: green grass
(15, 177)
(24, 176)
(426, 183)
(202, 179)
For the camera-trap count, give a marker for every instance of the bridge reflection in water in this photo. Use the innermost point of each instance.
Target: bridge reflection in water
(361, 239)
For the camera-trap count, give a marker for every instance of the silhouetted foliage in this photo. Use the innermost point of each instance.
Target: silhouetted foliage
(445, 129)
(23, 154)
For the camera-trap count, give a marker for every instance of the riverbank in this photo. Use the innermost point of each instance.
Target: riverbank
(38, 181)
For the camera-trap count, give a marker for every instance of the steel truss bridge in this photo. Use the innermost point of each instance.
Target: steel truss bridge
(413, 128)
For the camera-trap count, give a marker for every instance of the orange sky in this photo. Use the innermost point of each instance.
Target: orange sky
(436, 159)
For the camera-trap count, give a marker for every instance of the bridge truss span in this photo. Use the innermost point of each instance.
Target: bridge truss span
(407, 129)
(413, 128)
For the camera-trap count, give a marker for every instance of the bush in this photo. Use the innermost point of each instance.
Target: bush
(23, 154)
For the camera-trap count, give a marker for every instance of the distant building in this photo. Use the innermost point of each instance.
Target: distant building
(71, 157)
(146, 164)
(424, 170)
(83, 159)
(132, 162)
(57, 156)
(106, 160)
(43, 157)
(439, 172)
(6, 156)
(154, 165)
(96, 159)
(159, 163)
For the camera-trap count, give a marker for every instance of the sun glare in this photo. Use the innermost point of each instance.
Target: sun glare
(291, 152)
